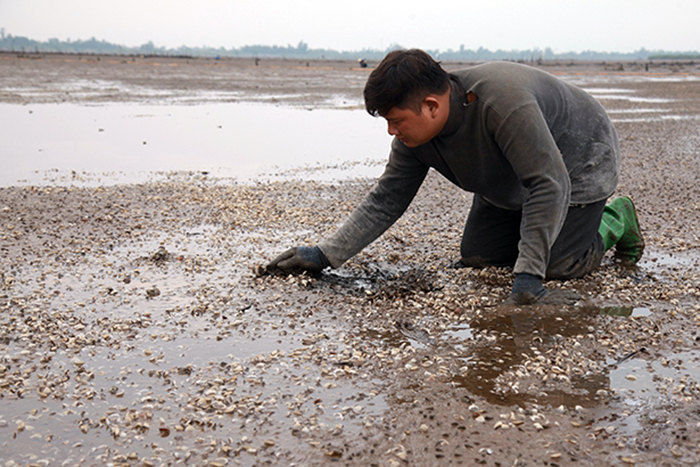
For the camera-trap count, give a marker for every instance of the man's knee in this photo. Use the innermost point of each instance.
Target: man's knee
(572, 267)
(477, 261)
(473, 262)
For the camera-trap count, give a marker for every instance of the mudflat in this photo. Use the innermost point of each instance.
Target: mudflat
(136, 328)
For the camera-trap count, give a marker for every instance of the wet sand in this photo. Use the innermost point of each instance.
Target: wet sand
(136, 332)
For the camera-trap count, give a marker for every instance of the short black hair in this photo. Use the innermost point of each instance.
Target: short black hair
(403, 79)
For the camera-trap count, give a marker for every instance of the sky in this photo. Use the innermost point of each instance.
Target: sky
(351, 25)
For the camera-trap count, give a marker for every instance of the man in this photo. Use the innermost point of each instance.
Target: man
(540, 155)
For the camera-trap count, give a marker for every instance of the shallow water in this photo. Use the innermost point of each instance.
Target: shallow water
(70, 144)
(606, 80)
(643, 385)
(633, 378)
(665, 263)
(173, 348)
(84, 145)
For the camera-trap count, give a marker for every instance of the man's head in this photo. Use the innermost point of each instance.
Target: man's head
(411, 91)
(403, 79)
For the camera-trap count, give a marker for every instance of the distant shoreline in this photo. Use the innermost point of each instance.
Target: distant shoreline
(670, 60)
(25, 45)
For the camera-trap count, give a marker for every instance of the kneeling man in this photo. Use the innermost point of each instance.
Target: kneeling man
(540, 155)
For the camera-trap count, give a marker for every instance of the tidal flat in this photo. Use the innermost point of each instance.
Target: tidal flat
(136, 330)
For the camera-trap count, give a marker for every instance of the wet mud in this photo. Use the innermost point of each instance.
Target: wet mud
(136, 328)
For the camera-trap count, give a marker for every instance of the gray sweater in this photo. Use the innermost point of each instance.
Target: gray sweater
(530, 141)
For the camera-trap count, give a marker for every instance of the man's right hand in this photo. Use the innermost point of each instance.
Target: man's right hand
(527, 289)
(300, 258)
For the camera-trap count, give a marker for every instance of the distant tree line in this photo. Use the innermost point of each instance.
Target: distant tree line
(10, 43)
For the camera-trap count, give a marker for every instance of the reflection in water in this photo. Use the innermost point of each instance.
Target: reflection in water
(513, 338)
(510, 339)
(625, 311)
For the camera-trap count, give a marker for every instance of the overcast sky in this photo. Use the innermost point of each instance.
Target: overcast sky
(563, 25)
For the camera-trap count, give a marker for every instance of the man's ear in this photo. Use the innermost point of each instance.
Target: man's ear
(433, 105)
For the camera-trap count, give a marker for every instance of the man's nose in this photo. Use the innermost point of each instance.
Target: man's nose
(392, 129)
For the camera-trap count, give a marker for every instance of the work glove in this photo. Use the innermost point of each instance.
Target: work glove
(527, 289)
(307, 258)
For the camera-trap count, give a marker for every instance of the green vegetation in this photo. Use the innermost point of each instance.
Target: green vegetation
(10, 43)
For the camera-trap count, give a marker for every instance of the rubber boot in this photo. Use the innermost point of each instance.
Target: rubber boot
(619, 227)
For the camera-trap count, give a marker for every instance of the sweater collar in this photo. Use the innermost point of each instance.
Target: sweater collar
(458, 101)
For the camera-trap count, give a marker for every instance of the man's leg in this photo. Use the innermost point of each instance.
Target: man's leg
(579, 248)
(491, 235)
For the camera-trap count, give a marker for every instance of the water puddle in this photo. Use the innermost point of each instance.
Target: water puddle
(503, 342)
(625, 311)
(656, 119)
(597, 91)
(663, 263)
(644, 110)
(604, 81)
(505, 357)
(644, 385)
(635, 99)
(613, 95)
(458, 337)
(100, 145)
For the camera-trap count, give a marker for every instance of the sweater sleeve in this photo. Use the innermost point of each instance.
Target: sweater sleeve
(387, 201)
(529, 146)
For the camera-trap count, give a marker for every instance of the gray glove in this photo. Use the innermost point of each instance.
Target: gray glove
(527, 289)
(301, 257)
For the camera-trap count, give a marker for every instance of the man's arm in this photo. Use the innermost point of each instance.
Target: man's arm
(527, 143)
(387, 201)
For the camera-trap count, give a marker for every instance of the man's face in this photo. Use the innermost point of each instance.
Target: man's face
(411, 128)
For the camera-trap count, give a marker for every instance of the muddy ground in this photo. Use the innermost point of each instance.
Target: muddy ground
(135, 330)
